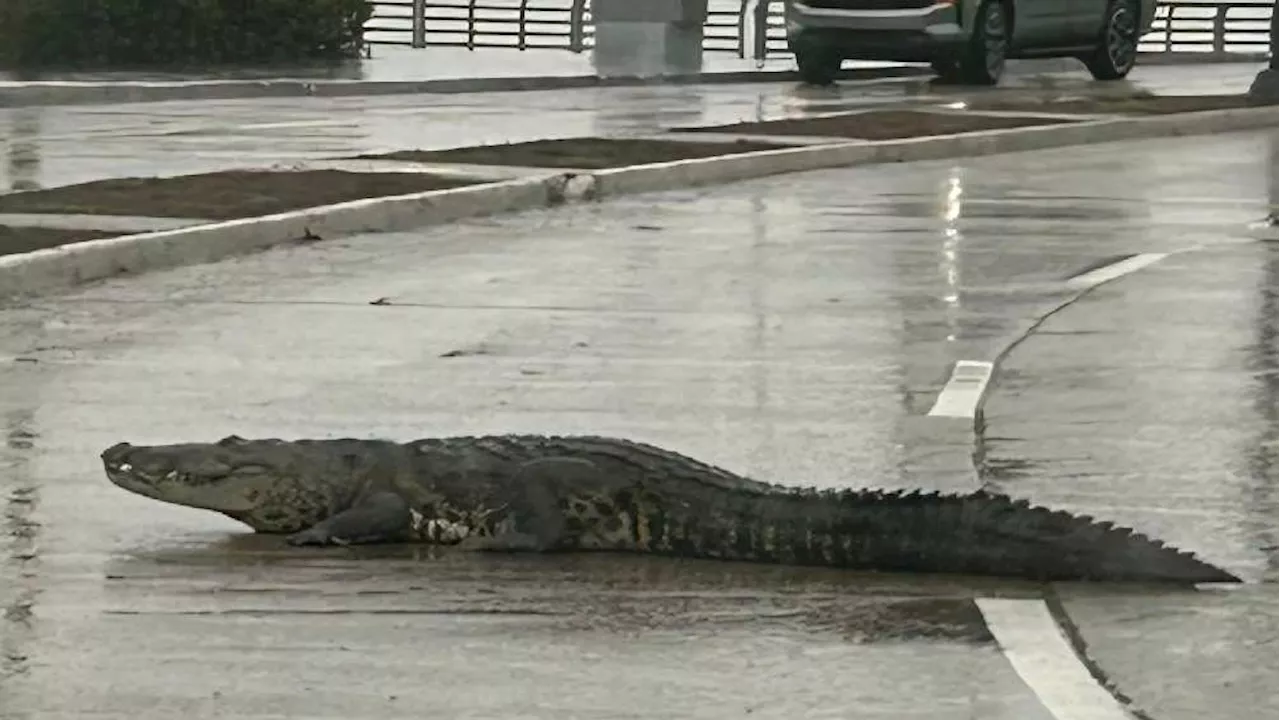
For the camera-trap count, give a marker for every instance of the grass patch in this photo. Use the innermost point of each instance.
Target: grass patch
(15, 240)
(583, 153)
(222, 195)
(879, 125)
(1133, 105)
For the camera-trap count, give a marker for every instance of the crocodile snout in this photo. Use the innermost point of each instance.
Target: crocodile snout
(115, 455)
(136, 474)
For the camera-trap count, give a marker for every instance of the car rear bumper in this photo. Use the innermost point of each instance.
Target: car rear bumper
(877, 30)
(904, 15)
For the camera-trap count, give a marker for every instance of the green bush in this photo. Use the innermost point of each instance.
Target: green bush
(168, 33)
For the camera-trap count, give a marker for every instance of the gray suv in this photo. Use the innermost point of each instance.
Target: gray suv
(966, 40)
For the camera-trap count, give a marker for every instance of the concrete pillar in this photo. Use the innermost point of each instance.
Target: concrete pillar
(1265, 89)
(647, 38)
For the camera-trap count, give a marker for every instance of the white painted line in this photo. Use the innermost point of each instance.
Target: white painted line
(1097, 276)
(1214, 245)
(1263, 230)
(962, 393)
(1042, 657)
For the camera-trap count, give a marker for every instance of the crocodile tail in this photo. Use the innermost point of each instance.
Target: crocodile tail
(976, 534)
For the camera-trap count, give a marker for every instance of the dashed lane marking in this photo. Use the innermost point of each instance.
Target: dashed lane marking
(962, 393)
(1120, 268)
(1041, 655)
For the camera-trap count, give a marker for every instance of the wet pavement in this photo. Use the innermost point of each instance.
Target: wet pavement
(796, 329)
(389, 63)
(49, 146)
(1179, 399)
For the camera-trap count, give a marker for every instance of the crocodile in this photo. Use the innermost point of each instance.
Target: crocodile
(536, 493)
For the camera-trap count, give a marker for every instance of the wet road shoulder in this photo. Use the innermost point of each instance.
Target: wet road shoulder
(1164, 421)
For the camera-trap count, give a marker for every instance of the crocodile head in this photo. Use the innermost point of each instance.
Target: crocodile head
(258, 482)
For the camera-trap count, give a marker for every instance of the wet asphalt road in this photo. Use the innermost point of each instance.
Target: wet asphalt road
(796, 328)
(390, 63)
(1181, 441)
(44, 147)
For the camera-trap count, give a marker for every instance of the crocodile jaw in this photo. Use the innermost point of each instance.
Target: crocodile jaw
(175, 488)
(164, 480)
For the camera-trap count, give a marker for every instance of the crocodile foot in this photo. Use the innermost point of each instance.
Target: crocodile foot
(380, 517)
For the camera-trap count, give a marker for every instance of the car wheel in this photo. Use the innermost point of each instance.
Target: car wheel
(983, 60)
(1117, 48)
(818, 65)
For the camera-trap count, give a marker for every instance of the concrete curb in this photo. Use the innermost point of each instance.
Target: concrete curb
(66, 266)
(38, 93)
(69, 265)
(687, 173)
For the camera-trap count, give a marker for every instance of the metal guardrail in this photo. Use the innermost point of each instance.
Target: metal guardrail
(524, 24)
(1211, 26)
(519, 24)
(756, 28)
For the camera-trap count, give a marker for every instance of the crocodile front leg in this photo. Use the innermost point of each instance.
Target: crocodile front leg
(535, 521)
(380, 517)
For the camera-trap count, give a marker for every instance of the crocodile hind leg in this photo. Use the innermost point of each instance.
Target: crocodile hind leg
(380, 517)
(535, 520)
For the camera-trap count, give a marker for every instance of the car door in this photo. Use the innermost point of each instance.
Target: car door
(1087, 20)
(1038, 23)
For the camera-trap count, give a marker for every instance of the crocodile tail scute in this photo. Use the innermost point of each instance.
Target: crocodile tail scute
(927, 532)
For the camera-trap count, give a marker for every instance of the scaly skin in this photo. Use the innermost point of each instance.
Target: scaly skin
(541, 493)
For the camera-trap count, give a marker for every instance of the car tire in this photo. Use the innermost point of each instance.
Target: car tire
(983, 59)
(948, 71)
(818, 65)
(1117, 48)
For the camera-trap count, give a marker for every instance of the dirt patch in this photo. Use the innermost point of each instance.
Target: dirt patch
(222, 195)
(584, 153)
(14, 240)
(1133, 105)
(879, 125)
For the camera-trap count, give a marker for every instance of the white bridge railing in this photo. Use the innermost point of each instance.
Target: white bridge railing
(1208, 29)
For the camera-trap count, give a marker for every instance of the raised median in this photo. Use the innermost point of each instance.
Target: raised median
(240, 210)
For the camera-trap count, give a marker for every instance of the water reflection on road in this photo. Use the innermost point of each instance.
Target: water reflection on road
(1152, 402)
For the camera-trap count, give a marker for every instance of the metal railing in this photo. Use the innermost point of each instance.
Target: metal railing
(756, 28)
(1211, 26)
(518, 24)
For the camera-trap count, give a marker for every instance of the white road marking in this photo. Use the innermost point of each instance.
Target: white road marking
(962, 393)
(1097, 276)
(1262, 230)
(1042, 657)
